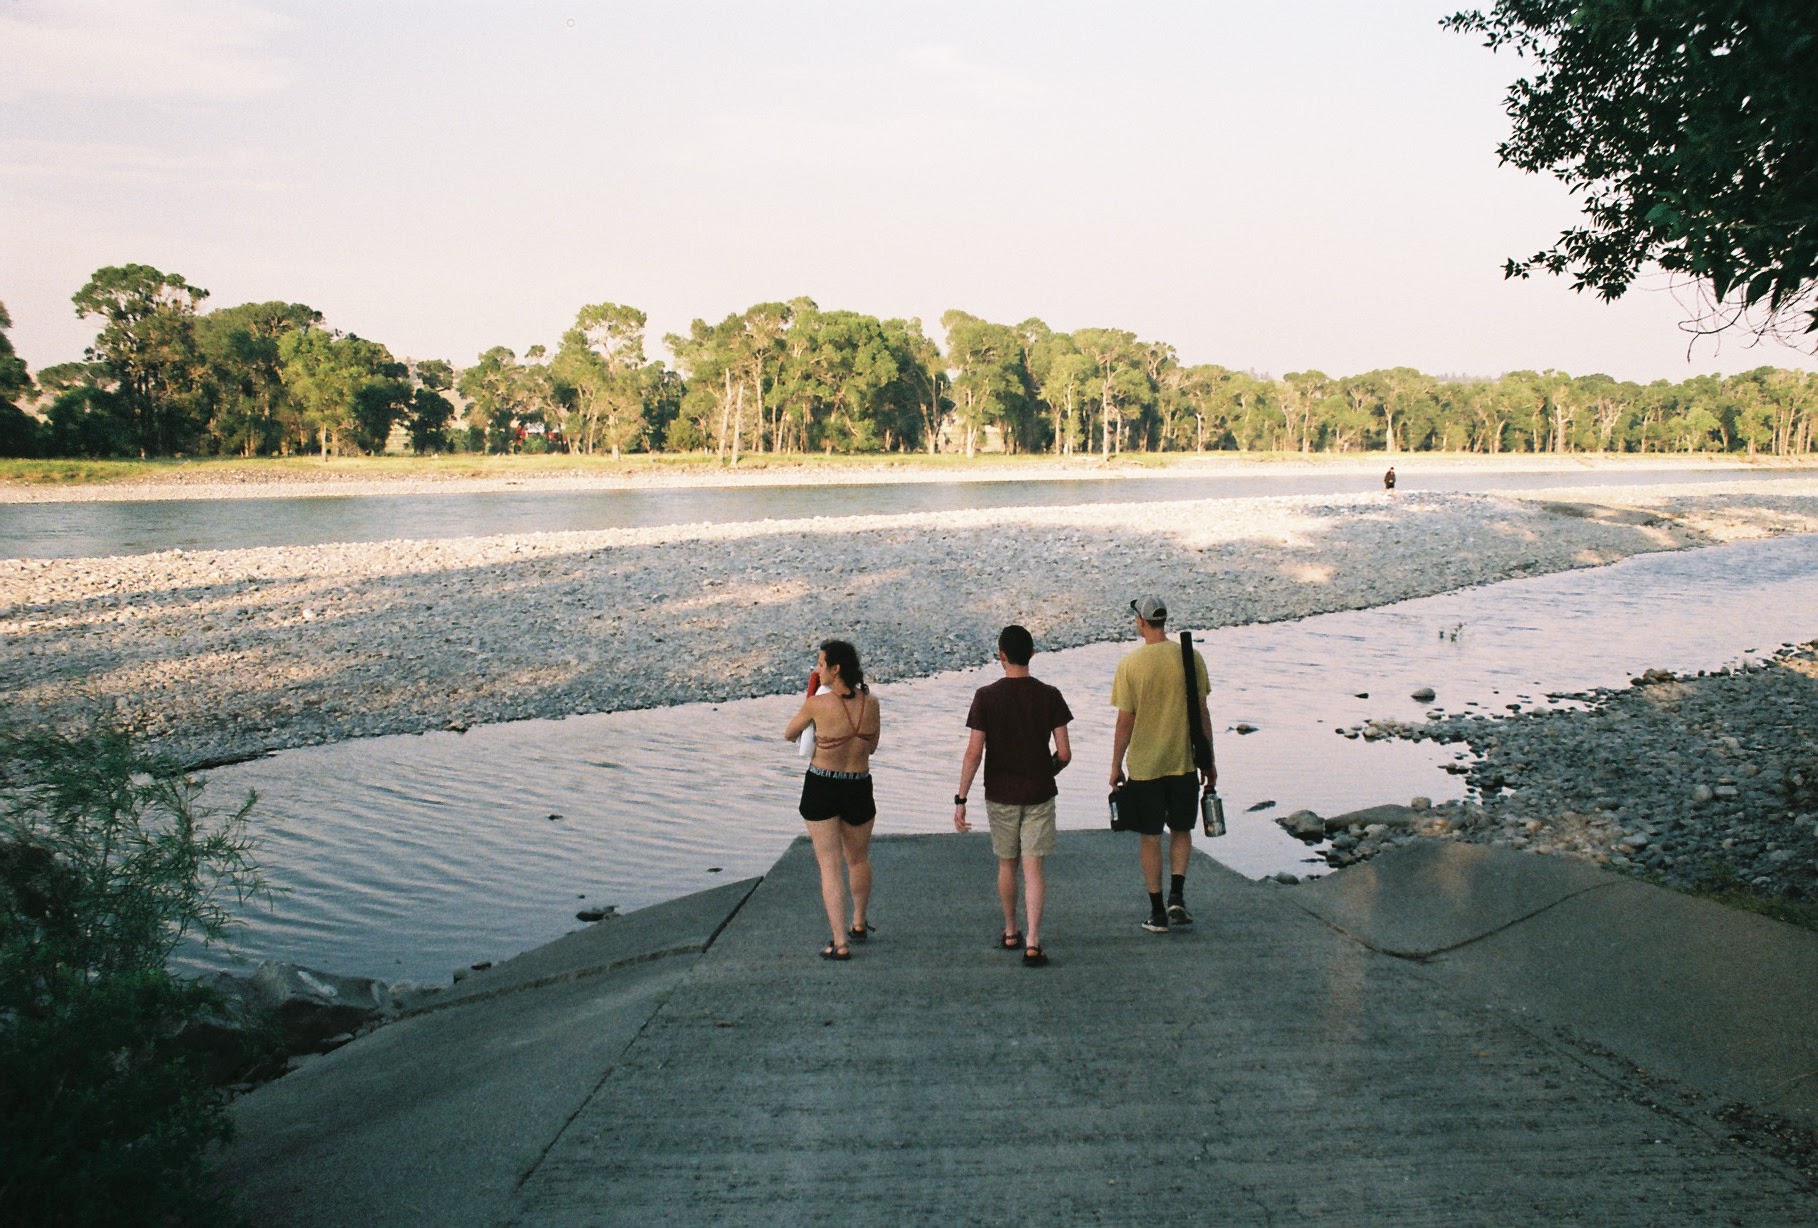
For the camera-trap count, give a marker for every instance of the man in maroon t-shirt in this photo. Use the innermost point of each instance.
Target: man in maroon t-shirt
(1012, 721)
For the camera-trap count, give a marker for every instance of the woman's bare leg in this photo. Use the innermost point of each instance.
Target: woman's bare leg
(857, 841)
(825, 836)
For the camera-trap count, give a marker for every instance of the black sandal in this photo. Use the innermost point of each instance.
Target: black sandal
(862, 935)
(1034, 958)
(1010, 941)
(831, 951)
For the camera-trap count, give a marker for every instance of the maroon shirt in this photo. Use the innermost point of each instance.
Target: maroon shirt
(1017, 716)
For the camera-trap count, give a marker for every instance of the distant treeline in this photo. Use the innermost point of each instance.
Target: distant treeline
(163, 378)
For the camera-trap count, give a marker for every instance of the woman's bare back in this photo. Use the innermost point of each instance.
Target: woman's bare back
(846, 731)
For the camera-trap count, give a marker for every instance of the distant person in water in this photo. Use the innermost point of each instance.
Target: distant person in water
(836, 792)
(1012, 722)
(1388, 479)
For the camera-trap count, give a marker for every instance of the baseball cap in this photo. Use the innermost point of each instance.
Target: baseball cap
(1151, 608)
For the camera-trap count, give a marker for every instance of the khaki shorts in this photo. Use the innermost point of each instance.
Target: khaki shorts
(1021, 831)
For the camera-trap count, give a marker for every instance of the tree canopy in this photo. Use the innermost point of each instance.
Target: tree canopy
(785, 377)
(1689, 128)
(147, 345)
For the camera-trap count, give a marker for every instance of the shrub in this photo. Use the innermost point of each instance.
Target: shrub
(107, 861)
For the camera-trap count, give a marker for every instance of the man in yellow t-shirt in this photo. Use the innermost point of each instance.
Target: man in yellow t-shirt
(1152, 757)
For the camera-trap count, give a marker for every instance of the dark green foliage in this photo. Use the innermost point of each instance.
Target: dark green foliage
(90, 422)
(107, 861)
(1690, 130)
(663, 391)
(249, 409)
(85, 417)
(427, 421)
(104, 1120)
(377, 405)
(18, 430)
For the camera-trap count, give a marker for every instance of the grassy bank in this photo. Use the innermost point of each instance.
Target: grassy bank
(470, 466)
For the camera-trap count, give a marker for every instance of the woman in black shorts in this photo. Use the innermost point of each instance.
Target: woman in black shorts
(836, 793)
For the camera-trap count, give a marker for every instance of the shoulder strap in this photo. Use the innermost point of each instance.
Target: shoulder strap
(1200, 736)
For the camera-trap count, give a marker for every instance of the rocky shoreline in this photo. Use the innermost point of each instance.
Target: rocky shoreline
(1705, 782)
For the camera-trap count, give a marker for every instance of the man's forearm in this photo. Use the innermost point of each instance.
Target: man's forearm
(1120, 742)
(969, 767)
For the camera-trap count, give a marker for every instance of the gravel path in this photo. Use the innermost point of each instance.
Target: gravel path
(224, 654)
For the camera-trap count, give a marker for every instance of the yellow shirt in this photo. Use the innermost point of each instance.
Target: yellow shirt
(1151, 683)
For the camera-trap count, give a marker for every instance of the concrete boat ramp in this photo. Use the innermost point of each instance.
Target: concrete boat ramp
(1449, 1034)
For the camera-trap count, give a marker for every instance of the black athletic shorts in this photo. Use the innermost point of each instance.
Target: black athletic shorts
(1145, 805)
(845, 796)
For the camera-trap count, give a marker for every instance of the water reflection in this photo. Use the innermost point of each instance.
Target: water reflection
(410, 856)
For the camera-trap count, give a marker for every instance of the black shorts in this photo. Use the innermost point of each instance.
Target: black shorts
(845, 796)
(1144, 805)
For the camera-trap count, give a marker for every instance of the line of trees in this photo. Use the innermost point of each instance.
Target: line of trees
(164, 378)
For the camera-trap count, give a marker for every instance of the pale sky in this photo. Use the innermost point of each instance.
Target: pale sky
(1304, 184)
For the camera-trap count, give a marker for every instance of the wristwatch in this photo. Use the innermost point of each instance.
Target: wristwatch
(959, 799)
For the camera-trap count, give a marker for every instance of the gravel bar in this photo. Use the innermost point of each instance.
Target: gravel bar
(220, 655)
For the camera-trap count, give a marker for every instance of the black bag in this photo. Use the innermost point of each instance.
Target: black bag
(1211, 807)
(1201, 737)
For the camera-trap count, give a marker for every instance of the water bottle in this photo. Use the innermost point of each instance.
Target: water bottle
(1212, 813)
(1116, 823)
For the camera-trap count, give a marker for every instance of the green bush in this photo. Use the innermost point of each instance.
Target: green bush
(107, 861)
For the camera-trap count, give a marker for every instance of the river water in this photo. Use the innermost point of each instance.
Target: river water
(407, 857)
(94, 530)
